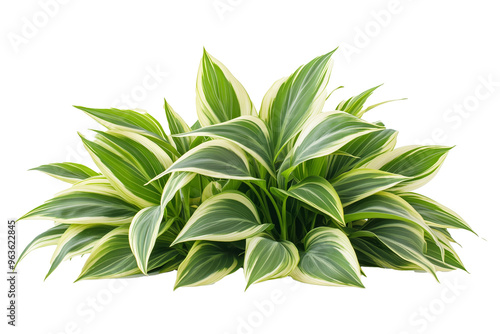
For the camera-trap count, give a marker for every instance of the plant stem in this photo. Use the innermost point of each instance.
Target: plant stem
(283, 224)
(261, 201)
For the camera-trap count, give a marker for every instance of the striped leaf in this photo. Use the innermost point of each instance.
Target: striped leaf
(420, 163)
(292, 101)
(176, 182)
(70, 172)
(143, 233)
(77, 240)
(404, 239)
(450, 261)
(128, 120)
(388, 206)
(216, 158)
(219, 96)
(129, 161)
(354, 105)
(328, 259)
(177, 126)
(319, 194)
(228, 216)
(48, 238)
(362, 150)
(112, 257)
(327, 133)
(248, 132)
(206, 263)
(267, 259)
(360, 183)
(435, 214)
(84, 208)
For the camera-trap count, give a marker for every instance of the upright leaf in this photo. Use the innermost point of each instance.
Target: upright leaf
(177, 126)
(219, 96)
(292, 101)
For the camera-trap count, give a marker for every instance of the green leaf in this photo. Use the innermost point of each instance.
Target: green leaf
(219, 96)
(84, 208)
(326, 133)
(292, 101)
(451, 260)
(228, 216)
(70, 172)
(435, 214)
(143, 233)
(128, 120)
(177, 126)
(403, 238)
(77, 240)
(248, 132)
(216, 158)
(354, 105)
(420, 163)
(112, 257)
(129, 161)
(267, 259)
(360, 183)
(206, 263)
(361, 150)
(47, 238)
(328, 259)
(318, 193)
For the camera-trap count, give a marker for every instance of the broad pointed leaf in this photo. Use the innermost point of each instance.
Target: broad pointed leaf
(177, 126)
(228, 216)
(328, 259)
(70, 172)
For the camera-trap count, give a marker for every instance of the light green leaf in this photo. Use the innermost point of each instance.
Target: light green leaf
(248, 132)
(129, 120)
(77, 240)
(143, 233)
(216, 158)
(84, 208)
(129, 161)
(219, 96)
(177, 126)
(267, 259)
(292, 101)
(70, 172)
(403, 238)
(435, 214)
(228, 216)
(112, 257)
(420, 163)
(361, 150)
(360, 183)
(354, 105)
(47, 238)
(318, 193)
(326, 133)
(206, 263)
(328, 259)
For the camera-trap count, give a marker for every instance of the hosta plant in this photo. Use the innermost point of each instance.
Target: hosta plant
(289, 190)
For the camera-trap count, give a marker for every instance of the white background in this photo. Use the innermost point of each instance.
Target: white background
(439, 54)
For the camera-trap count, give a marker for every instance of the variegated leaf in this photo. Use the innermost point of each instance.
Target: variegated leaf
(267, 259)
(177, 126)
(70, 172)
(219, 96)
(228, 216)
(48, 238)
(206, 263)
(328, 259)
